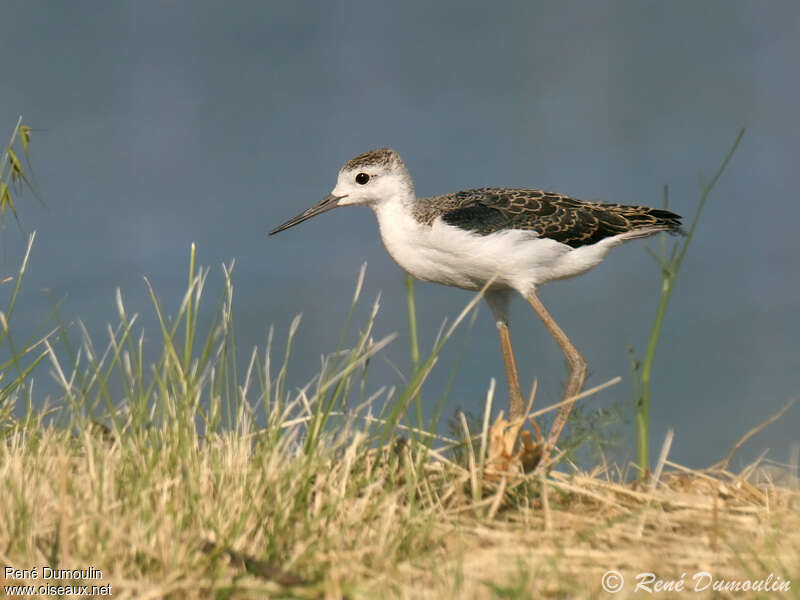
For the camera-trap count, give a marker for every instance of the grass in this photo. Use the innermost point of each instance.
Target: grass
(13, 176)
(670, 265)
(173, 489)
(186, 476)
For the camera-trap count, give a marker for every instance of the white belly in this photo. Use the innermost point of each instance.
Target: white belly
(448, 255)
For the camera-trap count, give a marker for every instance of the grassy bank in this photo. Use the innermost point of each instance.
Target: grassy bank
(240, 516)
(186, 478)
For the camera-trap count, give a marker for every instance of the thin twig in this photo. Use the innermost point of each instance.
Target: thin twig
(723, 464)
(571, 399)
(548, 515)
(662, 458)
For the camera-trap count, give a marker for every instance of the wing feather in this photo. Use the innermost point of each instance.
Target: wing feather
(554, 216)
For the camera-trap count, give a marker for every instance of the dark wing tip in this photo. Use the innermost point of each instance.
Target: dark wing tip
(670, 221)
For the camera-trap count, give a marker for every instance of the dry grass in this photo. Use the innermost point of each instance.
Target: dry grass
(236, 515)
(158, 475)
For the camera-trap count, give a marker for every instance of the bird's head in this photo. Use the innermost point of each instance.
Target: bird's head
(370, 178)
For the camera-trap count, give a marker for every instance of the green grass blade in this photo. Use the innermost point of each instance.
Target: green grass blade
(669, 273)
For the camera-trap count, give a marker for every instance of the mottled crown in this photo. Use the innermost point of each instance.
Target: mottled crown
(383, 157)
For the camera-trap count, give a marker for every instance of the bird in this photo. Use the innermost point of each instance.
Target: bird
(513, 239)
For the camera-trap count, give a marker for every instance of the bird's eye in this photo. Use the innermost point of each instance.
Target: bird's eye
(362, 178)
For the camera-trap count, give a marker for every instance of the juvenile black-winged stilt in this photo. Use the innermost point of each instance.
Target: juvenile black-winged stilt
(522, 238)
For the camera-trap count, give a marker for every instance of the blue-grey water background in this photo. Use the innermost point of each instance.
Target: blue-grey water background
(161, 124)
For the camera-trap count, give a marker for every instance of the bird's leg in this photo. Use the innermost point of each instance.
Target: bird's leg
(577, 366)
(516, 407)
(498, 299)
(529, 453)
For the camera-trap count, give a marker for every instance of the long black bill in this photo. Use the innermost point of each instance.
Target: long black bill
(327, 203)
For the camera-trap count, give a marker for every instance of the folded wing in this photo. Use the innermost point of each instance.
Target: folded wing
(554, 216)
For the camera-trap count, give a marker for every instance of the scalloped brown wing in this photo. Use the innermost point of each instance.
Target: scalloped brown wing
(560, 218)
